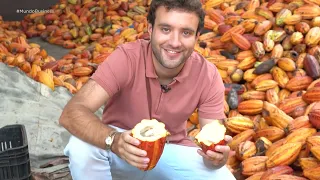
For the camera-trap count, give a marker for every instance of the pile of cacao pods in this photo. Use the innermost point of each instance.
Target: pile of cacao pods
(267, 52)
(90, 28)
(268, 56)
(76, 22)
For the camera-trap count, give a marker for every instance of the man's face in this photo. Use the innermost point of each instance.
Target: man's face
(173, 36)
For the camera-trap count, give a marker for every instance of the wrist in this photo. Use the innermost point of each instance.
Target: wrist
(211, 165)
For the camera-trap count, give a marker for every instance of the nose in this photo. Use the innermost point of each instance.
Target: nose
(175, 41)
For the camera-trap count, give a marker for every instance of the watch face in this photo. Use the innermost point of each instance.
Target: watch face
(108, 141)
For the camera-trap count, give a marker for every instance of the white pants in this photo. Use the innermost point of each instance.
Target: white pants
(88, 162)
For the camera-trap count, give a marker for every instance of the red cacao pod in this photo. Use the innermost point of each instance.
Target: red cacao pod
(314, 117)
(152, 136)
(211, 134)
(313, 112)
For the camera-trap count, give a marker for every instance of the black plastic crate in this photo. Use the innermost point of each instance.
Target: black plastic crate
(14, 154)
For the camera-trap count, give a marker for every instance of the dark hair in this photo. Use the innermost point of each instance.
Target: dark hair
(184, 5)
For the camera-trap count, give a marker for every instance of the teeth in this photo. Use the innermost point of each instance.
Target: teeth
(172, 51)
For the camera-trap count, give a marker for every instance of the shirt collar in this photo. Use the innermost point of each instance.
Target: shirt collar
(151, 73)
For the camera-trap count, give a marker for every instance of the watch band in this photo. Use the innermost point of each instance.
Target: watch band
(112, 134)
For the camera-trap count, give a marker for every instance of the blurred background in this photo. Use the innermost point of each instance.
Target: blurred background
(8, 8)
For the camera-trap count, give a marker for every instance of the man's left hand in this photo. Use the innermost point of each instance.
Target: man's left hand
(219, 158)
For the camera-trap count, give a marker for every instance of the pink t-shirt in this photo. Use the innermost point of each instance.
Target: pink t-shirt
(123, 76)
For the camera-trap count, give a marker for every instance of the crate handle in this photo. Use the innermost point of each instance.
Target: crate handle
(4, 146)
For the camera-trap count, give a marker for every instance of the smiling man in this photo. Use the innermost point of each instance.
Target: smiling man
(163, 78)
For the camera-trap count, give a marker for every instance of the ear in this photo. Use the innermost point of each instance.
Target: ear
(197, 36)
(150, 29)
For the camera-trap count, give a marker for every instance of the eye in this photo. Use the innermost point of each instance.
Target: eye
(165, 30)
(186, 33)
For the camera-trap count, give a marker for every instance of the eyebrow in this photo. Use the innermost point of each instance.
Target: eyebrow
(167, 25)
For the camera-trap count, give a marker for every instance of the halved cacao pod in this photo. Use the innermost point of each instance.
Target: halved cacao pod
(211, 134)
(152, 136)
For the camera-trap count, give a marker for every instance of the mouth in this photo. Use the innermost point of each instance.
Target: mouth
(172, 54)
(171, 51)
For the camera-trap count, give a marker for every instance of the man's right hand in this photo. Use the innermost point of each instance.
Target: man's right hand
(125, 146)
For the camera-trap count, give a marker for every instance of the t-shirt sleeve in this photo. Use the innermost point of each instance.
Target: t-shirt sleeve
(115, 72)
(212, 103)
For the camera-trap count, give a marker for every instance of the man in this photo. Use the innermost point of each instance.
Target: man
(178, 80)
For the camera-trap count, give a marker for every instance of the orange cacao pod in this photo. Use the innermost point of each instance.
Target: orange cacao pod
(240, 41)
(284, 155)
(299, 83)
(275, 146)
(246, 150)
(250, 107)
(241, 137)
(272, 133)
(253, 95)
(315, 150)
(299, 122)
(82, 71)
(253, 165)
(300, 135)
(238, 124)
(312, 173)
(309, 163)
(261, 77)
(275, 116)
(290, 104)
(236, 29)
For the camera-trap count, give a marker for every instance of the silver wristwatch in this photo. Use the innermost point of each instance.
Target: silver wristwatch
(109, 140)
